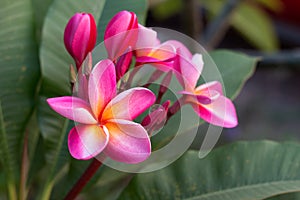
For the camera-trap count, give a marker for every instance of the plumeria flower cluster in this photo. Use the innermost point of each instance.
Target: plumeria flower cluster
(105, 114)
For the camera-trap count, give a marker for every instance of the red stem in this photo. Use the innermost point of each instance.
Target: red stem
(84, 179)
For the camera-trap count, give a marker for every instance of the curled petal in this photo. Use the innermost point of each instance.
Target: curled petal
(163, 52)
(73, 108)
(147, 38)
(184, 50)
(198, 98)
(87, 141)
(102, 86)
(129, 104)
(121, 32)
(128, 142)
(188, 71)
(209, 87)
(221, 112)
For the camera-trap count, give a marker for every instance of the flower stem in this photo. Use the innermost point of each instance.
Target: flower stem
(84, 179)
(175, 108)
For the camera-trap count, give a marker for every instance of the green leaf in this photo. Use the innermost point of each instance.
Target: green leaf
(256, 26)
(40, 10)
(18, 79)
(235, 69)
(239, 171)
(251, 21)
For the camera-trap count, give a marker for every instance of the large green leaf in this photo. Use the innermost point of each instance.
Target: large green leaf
(18, 78)
(239, 171)
(235, 69)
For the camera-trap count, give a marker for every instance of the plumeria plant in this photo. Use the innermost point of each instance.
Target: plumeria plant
(104, 113)
(95, 105)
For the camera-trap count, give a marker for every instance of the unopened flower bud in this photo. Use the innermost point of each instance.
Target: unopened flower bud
(80, 36)
(121, 33)
(157, 118)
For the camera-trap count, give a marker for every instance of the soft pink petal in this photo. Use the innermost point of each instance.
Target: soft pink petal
(129, 142)
(129, 104)
(102, 86)
(121, 32)
(163, 52)
(184, 50)
(198, 98)
(73, 108)
(87, 141)
(197, 61)
(189, 72)
(147, 38)
(221, 112)
(210, 86)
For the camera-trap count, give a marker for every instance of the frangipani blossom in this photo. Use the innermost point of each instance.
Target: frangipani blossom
(207, 100)
(105, 119)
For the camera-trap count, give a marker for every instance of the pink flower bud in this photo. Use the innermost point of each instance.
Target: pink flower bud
(121, 33)
(155, 120)
(80, 36)
(123, 64)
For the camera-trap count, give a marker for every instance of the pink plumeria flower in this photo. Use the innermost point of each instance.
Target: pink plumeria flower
(80, 36)
(207, 100)
(105, 119)
(149, 50)
(121, 33)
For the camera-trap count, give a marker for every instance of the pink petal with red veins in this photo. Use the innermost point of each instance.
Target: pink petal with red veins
(128, 142)
(102, 86)
(73, 108)
(87, 141)
(129, 104)
(221, 112)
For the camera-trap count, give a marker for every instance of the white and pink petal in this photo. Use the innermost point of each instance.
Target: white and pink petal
(221, 112)
(129, 104)
(129, 142)
(87, 141)
(102, 86)
(73, 108)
